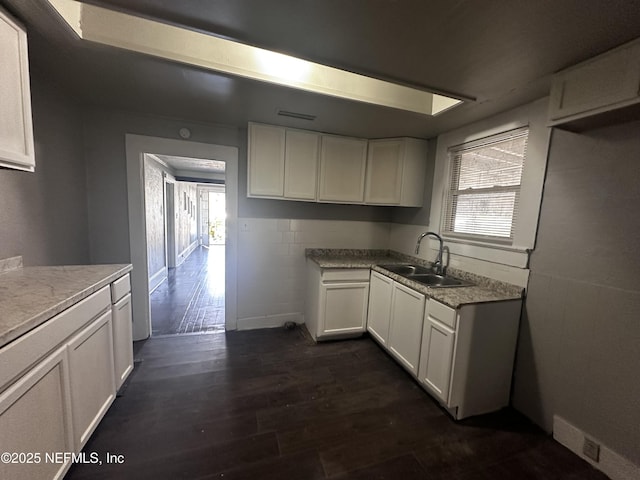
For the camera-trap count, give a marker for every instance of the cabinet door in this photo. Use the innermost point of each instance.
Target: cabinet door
(342, 169)
(384, 172)
(436, 359)
(266, 160)
(16, 130)
(35, 416)
(405, 329)
(301, 165)
(599, 84)
(92, 376)
(122, 340)
(343, 308)
(380, 291)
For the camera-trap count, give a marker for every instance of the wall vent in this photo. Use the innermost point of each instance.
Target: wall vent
(301, 116)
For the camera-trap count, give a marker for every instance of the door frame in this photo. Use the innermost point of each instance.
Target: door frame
(136, 147)
(170, 221)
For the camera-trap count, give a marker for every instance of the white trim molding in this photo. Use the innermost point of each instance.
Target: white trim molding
(612, 464)
(516, 255)
(136, 147)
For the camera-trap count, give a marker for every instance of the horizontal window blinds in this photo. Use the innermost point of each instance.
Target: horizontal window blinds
(484, 190)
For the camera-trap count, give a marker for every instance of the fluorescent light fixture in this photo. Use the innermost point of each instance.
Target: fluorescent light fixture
(178, 44)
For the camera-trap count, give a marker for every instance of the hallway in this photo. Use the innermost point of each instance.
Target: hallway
(191, 300)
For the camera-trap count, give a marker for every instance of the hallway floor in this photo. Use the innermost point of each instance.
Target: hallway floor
(270, 404)
(191, 300)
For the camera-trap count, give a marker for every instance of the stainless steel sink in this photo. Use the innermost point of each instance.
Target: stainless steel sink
(407, 269)
(434, 280)
(425, 275)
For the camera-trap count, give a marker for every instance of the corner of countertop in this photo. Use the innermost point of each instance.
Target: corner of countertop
(10, 264)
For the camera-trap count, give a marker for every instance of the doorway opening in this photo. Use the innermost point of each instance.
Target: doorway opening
(171, 239)
(185, 229)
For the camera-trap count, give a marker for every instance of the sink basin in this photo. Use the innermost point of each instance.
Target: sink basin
(425, 275)
(433, 280)
(407, 269)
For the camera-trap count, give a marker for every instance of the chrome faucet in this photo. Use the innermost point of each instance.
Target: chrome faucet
(440, 268)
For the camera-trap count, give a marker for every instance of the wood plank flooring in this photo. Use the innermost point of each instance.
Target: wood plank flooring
(191, 299)
(270, 404)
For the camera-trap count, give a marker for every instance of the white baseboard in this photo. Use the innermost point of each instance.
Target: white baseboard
(269, 321)
(610, 463)
(157, 278)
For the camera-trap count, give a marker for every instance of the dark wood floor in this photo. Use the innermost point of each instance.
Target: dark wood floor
(269, 404)
(191, 299)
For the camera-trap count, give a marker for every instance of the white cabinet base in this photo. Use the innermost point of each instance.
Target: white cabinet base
(380, 292)
(467, 355)
(336, 302)
(405, 328)
(122, 340)
(35, 417)
(92, 377)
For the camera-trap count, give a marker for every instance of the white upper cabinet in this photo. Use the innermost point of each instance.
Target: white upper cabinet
(266, 161)
(587, 93)
(301, 164)
(342, 169)
(396, 169)
(16, 130)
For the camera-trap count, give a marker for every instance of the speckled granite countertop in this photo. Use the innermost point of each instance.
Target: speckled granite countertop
(483, 290)
(29, 296)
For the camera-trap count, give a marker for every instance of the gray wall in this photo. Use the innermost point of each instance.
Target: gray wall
(107, 175)
(43, 215)
(579, 349)
(104, 147)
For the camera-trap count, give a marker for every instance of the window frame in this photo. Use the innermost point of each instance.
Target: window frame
(516, 254)
(449, 214)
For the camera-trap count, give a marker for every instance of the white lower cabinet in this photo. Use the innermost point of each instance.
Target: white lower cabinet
(92, 377)
(467, 355)
(35, 418)
(122, 340)
(343, 308)
(395, 320)
(405, 326)
(336, 302)
(438, 342)
(58, 380)
(380, 292)
(122, 329)
(463, 357)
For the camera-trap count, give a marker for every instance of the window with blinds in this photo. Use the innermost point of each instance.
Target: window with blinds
(484, 191)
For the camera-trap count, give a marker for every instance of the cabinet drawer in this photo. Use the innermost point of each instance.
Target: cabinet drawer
(345, 274)
(20, 354)
(442, 313)
(120, 288)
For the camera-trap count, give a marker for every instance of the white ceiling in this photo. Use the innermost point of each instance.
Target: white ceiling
(502, 53)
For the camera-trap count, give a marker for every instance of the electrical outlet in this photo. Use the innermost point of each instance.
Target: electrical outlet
(591, 449)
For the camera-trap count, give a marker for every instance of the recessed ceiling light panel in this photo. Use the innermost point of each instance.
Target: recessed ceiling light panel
(178, 44)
